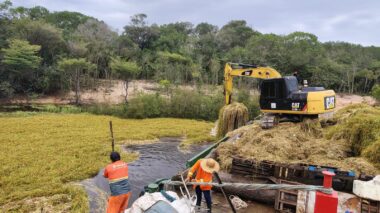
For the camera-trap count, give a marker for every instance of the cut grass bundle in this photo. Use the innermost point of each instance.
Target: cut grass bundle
(43, 154)
(312, 127)
(359, 126)
(357, 131)
(231, 117)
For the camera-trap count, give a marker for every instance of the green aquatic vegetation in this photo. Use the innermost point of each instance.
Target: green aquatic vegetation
(44, 154)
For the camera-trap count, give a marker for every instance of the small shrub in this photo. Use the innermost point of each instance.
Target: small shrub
(195, 104)
(376, 92)
(146, 106)
(6, 90)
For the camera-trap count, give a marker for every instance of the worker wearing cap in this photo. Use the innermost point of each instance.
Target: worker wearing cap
(117, 174)
(203, 169)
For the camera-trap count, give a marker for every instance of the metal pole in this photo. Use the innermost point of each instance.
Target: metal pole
(112, 138)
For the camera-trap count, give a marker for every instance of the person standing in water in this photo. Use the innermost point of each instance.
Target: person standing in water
(117, 174)
(203, 169)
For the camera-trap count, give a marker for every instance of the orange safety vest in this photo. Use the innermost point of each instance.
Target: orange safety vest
(116, 170)
(202, 176)
(117, 174)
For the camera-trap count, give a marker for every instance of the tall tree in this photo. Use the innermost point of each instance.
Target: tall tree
(125, 70)
(139, 31)
(100, 42)
(173, 36)
(75, 68)
(67, 21)
(49, 37)
(5, 21)
(235, 33)
(20, 60)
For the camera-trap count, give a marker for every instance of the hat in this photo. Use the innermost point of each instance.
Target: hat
(210, 165)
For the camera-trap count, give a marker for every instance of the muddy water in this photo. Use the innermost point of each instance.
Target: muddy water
(163, 159)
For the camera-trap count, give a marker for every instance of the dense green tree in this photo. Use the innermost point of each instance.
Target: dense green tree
(376, 92)
(67, 21)
(5, 22)
(140, 33)
(177, 52)
(302, 52)
(43, 34)
(174, 67)
(21, 61)
(38, 13)
(173, 36)
(267, 50)
(100, 42)
(75, 69)
(235, 33)
(125, 70)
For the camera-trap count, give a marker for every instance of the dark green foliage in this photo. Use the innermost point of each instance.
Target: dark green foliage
(21, 61)
(195, 104)
(178, 52)
(147, 106)
(182, 104)
(376, 92)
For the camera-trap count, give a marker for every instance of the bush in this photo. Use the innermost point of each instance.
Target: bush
(6, 89)
(146, 106)
(182, 104)
(376, 92)
(195, 104)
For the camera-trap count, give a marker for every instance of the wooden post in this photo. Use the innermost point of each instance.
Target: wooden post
(112, 138)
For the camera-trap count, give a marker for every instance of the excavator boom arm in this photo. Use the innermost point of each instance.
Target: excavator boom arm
(231, 70)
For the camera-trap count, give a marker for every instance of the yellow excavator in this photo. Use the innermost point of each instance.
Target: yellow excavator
(281, 96)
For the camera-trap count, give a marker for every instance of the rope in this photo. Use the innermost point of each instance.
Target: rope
(238, 203)
(252, 187)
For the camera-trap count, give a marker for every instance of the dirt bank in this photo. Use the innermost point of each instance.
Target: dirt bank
(348, 99)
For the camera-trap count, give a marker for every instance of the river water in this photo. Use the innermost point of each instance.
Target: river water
(163, 159)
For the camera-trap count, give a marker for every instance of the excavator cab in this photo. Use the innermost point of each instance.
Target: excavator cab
(276, 93)
(283, 96)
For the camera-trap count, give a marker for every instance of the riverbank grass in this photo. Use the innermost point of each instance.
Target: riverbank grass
(44, 154)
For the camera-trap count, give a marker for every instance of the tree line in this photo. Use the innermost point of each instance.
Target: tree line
(45, 52)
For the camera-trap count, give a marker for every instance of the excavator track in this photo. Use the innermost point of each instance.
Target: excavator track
(269, 121)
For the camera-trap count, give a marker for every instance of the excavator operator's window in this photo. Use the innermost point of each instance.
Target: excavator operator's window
(269, 89)
(273, 89)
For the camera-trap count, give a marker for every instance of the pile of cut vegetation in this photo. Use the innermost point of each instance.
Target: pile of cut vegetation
(352, 143)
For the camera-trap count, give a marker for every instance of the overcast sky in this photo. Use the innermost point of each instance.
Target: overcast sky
(331, 20)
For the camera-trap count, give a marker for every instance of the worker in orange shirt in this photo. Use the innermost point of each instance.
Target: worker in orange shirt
(117, 174)
(203, 169)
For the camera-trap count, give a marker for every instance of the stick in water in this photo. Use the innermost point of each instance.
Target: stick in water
(224, 194)
(112, 139)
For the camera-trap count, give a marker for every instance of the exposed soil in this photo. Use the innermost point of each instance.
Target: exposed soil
(348, 99)
(113, 92)
(109, 92)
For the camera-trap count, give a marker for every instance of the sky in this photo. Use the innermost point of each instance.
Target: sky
(352, 21)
